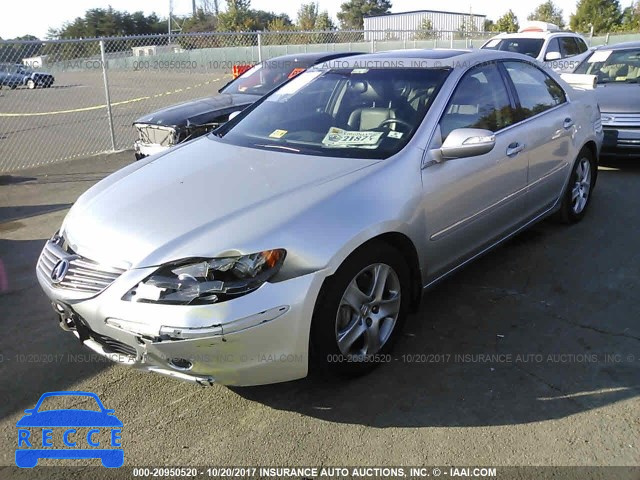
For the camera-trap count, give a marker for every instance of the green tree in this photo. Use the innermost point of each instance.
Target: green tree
(280, 24)
(100, 22)
(631, 18)
(352, 12)
(604, 15)
(507, 23)
(201, 22)
(547, 12)
(237, 17)
(489, 25)
(324, 22)
(307, 16)
(425, 32)
(465, 29)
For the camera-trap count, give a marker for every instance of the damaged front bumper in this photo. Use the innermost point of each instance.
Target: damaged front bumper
(143, 150)
(252, 340)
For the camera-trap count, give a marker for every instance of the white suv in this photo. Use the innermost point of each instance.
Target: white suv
(560, 50)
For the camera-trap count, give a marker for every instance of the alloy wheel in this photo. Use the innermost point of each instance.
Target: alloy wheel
(368, 311)
(582, 185)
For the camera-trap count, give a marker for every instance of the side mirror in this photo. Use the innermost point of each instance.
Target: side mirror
(551, 56)
(467, 142)
(29, 410)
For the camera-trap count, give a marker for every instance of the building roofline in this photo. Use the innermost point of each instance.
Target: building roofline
(426, 11)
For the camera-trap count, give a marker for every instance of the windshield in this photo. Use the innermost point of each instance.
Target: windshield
(66, 402)
(264, 77)
(355, 112)
(526, 46)
(622, 66)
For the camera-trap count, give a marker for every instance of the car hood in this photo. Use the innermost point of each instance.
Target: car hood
(69, 418)
(162, 209)
(198, 111)
(619, 98)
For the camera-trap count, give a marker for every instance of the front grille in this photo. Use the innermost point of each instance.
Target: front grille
(629, 120)
(156, 135)
(83, 275)
(111, 345)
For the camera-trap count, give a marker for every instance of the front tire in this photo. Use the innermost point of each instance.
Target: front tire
(31, 84)
(577, 195)
(360, 311)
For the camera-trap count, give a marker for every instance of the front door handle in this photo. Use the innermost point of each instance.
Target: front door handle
(514, 148)
(568, 123)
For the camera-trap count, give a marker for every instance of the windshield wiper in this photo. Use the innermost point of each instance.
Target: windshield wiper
(282, 147)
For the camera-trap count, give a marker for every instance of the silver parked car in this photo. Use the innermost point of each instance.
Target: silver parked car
(617, 68)
(303, 231)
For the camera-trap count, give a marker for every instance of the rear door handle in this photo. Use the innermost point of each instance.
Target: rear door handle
(568, 123)
(514, 148)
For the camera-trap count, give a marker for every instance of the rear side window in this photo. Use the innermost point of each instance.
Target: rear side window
(569, 46)
(537, 91)
(582, 46)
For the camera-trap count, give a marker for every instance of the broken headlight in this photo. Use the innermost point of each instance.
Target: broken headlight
(204, 281)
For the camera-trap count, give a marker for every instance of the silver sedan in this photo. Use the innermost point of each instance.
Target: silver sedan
(304, 231)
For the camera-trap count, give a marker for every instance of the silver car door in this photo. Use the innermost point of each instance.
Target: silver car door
(470, 202)
(543, 107)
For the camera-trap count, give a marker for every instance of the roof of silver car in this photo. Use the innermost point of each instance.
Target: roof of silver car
(422, 58)
(620, 46)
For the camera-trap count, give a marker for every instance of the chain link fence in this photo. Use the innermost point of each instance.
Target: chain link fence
(71, 98)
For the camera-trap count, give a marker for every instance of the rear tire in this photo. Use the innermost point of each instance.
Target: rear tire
(360, 310)
(31, 84)
(577, 195)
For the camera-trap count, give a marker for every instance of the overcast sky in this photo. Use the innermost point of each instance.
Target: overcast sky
(36, 16)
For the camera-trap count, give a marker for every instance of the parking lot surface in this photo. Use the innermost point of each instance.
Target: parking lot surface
(529, 356)
(34, 122)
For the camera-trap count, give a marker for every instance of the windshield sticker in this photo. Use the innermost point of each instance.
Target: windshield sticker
(359, 70)
(296, 84)
(599, 56)
(278, 133)
(338, 138)
(394, 134)
(295, 72)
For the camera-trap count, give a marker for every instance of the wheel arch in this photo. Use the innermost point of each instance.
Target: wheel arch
(593, 148)
(405, 246)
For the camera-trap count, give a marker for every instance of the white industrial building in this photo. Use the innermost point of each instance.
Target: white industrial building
(378, 27)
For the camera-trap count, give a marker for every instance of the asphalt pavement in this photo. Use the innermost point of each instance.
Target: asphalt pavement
(529, 356)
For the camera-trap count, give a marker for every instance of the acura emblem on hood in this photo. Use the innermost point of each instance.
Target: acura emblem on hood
(59, 270)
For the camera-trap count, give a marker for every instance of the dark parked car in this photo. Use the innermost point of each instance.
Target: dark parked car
(165, 128)
(617, 68)
(15, 75)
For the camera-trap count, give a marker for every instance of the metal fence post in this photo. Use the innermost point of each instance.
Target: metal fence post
(259, 47)
(373, 45)
(106, 95)
(606, 40)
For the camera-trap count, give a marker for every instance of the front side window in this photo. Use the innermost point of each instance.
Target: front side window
(479, 101)
(554, 46)
(536, 90)
(525, 46)
(622, 66)
(346, 112)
